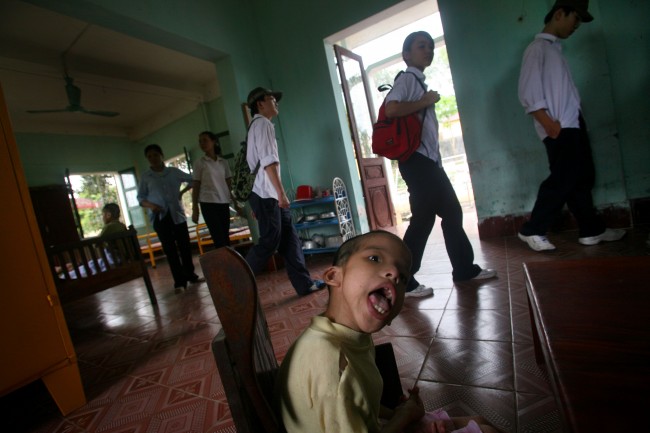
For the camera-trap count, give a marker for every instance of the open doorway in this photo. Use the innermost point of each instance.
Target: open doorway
(379, 45)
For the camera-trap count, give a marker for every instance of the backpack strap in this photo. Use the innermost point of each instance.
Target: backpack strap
(424, 110)
(257, 167)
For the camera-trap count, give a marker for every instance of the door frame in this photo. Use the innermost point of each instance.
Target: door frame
(373, 174)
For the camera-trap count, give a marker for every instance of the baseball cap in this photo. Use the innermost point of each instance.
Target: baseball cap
(580, 6)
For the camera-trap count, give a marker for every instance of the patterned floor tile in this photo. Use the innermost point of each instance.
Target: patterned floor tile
(414, 323)
(530, 377)
(522, 330)
(537, 414)
(497, 406)
(485, 364)
(476, 325)
(409, 353)
(479, 298)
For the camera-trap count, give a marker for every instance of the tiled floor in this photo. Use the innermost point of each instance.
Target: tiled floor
(151, 370)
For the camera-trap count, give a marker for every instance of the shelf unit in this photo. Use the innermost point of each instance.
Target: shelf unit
(339, 202)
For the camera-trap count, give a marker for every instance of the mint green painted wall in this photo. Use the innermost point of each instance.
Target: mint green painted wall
(486, 40)
(313, 127)
(627, 43)
(46, 156)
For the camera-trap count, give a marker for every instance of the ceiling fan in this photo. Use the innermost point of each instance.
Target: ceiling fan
(74, 104)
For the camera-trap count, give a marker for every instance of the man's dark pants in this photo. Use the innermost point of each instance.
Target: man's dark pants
(277, 233)
(431, 194)
(571, 181)
(175, 241)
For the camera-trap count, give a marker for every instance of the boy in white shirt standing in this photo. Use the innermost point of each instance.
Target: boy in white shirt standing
(547, 92)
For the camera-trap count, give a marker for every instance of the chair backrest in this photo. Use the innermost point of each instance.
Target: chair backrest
(242, 349)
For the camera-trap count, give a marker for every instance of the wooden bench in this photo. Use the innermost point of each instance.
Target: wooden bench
(92, 265)
(150, 245)
(239, 237)
(590, 328)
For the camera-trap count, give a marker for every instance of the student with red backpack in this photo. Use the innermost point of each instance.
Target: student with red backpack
(430, 191)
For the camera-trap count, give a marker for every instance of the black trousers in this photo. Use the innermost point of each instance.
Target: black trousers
(571, 181)
(175, 241)
(277, 233)
(431, 194)
(217, 218)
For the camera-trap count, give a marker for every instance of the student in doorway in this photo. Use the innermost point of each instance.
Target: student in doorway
(430, 191)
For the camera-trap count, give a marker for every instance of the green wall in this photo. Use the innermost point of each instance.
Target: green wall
(627, 43)
(46, 156)
(486, 40)
(314, 130)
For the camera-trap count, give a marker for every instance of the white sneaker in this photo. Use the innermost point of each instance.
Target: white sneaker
(420, 292)
(485, 274)
(609, 235)
(537, 243)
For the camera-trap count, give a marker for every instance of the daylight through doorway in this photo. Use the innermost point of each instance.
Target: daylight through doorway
(383, 60)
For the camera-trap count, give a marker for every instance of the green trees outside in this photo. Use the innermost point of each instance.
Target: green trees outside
(97, 190)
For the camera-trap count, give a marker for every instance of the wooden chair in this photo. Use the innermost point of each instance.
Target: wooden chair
(242, 349)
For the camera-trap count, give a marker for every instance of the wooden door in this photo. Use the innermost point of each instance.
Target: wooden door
(34, 339)
(361, 116)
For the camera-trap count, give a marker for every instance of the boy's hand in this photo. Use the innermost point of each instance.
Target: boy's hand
(195, 215)
(283, 201)
(551, 126)
(431, 97)
(553, 129)
(413, 406)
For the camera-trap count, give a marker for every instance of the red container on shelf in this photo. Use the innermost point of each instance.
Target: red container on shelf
(304, 192)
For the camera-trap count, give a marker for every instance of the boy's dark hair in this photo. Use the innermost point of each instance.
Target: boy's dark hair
(253, 107)
(352, 245)
(408, 42)
(567, 10)
(112, 209)
(153, 147)
(212, 136)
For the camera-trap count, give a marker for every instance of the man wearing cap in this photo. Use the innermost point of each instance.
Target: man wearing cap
(547, 92)
(268, 199)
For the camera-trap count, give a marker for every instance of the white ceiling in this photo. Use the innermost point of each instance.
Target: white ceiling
(149, 85)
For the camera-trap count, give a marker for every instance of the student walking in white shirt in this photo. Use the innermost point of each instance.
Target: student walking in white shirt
(547, 92)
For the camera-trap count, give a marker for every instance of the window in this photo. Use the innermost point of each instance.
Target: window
(91, 192)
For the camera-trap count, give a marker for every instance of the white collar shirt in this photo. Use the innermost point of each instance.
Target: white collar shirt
(545, 83)
(262, 147)
(406, 89)
(212, 174)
